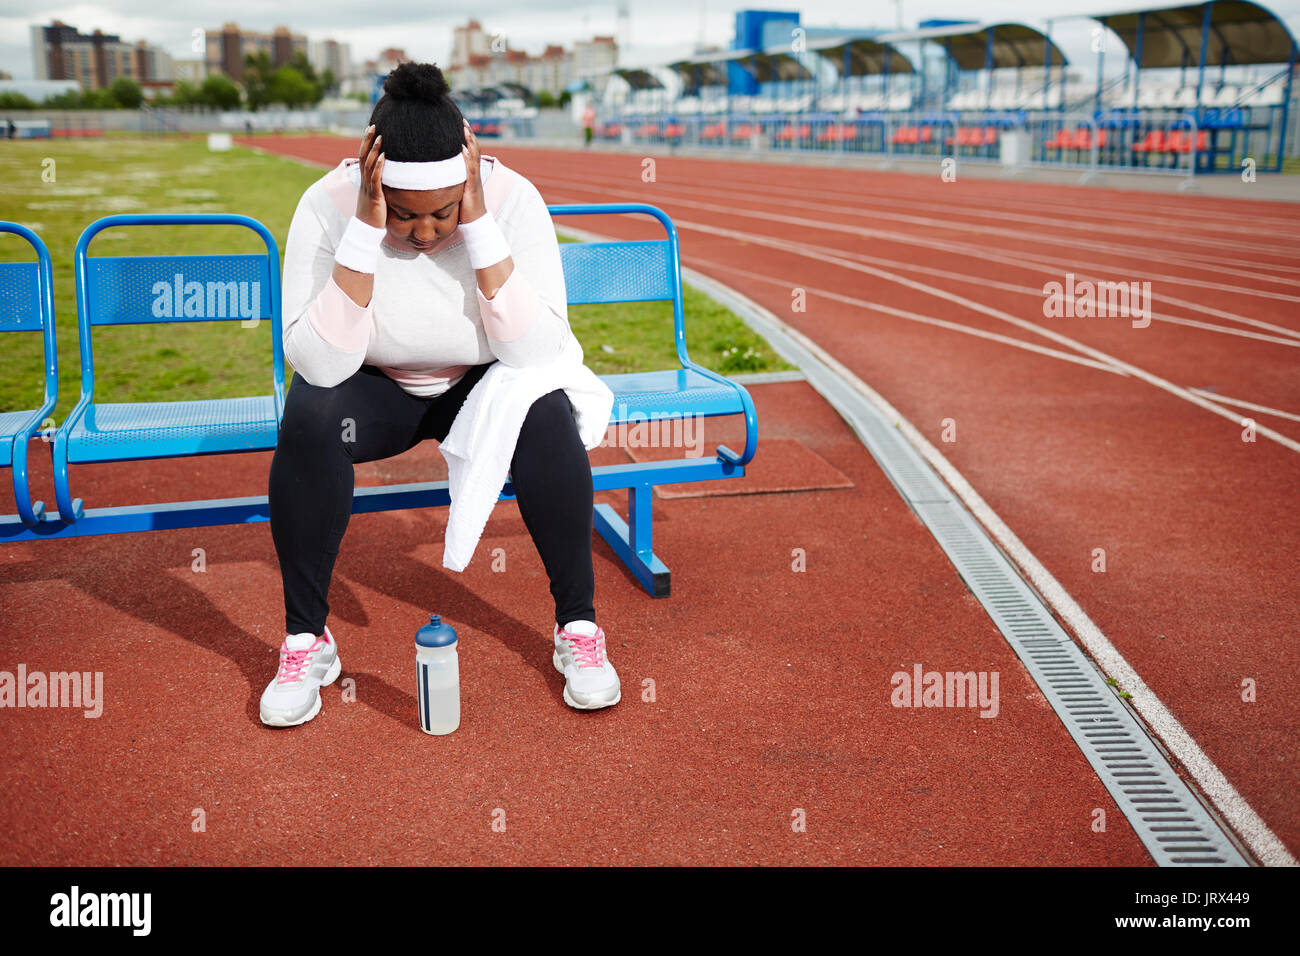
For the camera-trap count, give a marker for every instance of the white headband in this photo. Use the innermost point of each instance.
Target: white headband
(436, 175)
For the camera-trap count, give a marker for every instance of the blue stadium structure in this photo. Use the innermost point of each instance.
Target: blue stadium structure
(1204, 88)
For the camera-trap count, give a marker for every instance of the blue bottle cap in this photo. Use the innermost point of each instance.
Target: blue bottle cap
(435, 633)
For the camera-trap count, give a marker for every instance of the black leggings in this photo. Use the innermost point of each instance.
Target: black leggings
(311, 482)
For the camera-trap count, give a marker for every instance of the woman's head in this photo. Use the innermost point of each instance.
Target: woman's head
(419, 123)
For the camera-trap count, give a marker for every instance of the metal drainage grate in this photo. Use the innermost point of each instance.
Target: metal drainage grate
(1173, 825)
(1176, 828)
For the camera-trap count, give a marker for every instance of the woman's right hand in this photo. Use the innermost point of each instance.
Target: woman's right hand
(371, 208)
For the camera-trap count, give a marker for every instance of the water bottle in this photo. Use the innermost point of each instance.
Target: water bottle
(437, 688)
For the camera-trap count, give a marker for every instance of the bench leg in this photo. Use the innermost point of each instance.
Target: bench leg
(632, 540)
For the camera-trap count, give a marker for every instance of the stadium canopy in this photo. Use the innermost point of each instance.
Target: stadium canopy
(1218, 33)
(858, 56)
(987, 46)
(704, 69)
(773, 64)
(639, 79)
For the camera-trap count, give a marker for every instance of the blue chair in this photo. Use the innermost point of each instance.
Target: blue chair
(130, 290)
(644, 271)
(27, 305)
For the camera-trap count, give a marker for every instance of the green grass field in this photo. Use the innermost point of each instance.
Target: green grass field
(173, 362)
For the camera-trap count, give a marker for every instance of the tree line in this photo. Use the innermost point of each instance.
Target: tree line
(295, 85)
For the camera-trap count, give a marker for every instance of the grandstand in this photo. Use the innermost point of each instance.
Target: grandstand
(1203, 88)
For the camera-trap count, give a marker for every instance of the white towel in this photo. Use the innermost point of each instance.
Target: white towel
(481, 442)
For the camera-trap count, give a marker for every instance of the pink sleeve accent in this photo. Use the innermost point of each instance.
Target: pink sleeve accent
(340, 321)
(509, 313)
(497, 185)
(340, 189)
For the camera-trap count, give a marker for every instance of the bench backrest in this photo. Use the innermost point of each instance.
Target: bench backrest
(20, 297)
(643, 270)
(27, 300)
(598, 272)
(131, 290)
(134, 290)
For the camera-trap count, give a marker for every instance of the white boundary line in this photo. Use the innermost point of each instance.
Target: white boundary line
(1036, 239)
(1133, 370)
(1277, 412)
(926, 319)
(1022, 260)
(1240, 815)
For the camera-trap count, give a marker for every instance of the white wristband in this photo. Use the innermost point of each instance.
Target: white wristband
(359, 247)
(484, 241)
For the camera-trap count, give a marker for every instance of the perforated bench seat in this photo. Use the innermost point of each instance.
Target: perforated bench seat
(11, 424)
(111, 432)
(675, 393)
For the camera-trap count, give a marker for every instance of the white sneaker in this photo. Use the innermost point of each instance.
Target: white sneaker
(307, 663)
(590, 681)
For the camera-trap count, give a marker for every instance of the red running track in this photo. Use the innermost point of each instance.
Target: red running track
(771, 692)
(1197, 526)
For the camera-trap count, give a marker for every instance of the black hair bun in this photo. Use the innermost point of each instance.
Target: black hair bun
(416, 81)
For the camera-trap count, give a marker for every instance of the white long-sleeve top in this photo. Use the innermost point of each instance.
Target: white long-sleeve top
(427, 322)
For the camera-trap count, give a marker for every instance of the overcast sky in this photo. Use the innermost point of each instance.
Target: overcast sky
(659, 29)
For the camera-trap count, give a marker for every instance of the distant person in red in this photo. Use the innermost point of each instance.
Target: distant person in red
(588, 124)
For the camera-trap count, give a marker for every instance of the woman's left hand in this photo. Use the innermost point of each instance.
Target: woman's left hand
(472, 204)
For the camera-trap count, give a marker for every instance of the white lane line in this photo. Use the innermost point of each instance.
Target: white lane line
(1135, 210)
(1171, 257)
(1213, 783)
(1097, 354)
(1291, 339)
(801, 249)
(1021, 260)
(925, 319)
(1251, 405)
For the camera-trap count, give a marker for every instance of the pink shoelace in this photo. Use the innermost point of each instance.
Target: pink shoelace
(587, 651)
(292, 663)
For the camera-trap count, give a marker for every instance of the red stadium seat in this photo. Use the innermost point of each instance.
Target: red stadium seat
(1060, 141)
(1153, 143)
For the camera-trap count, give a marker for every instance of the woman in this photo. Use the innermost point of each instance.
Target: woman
(409, 274)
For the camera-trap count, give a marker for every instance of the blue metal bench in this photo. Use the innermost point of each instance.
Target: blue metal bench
(127, 289)
(604, 272)
(133, 290)
(27, 305)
